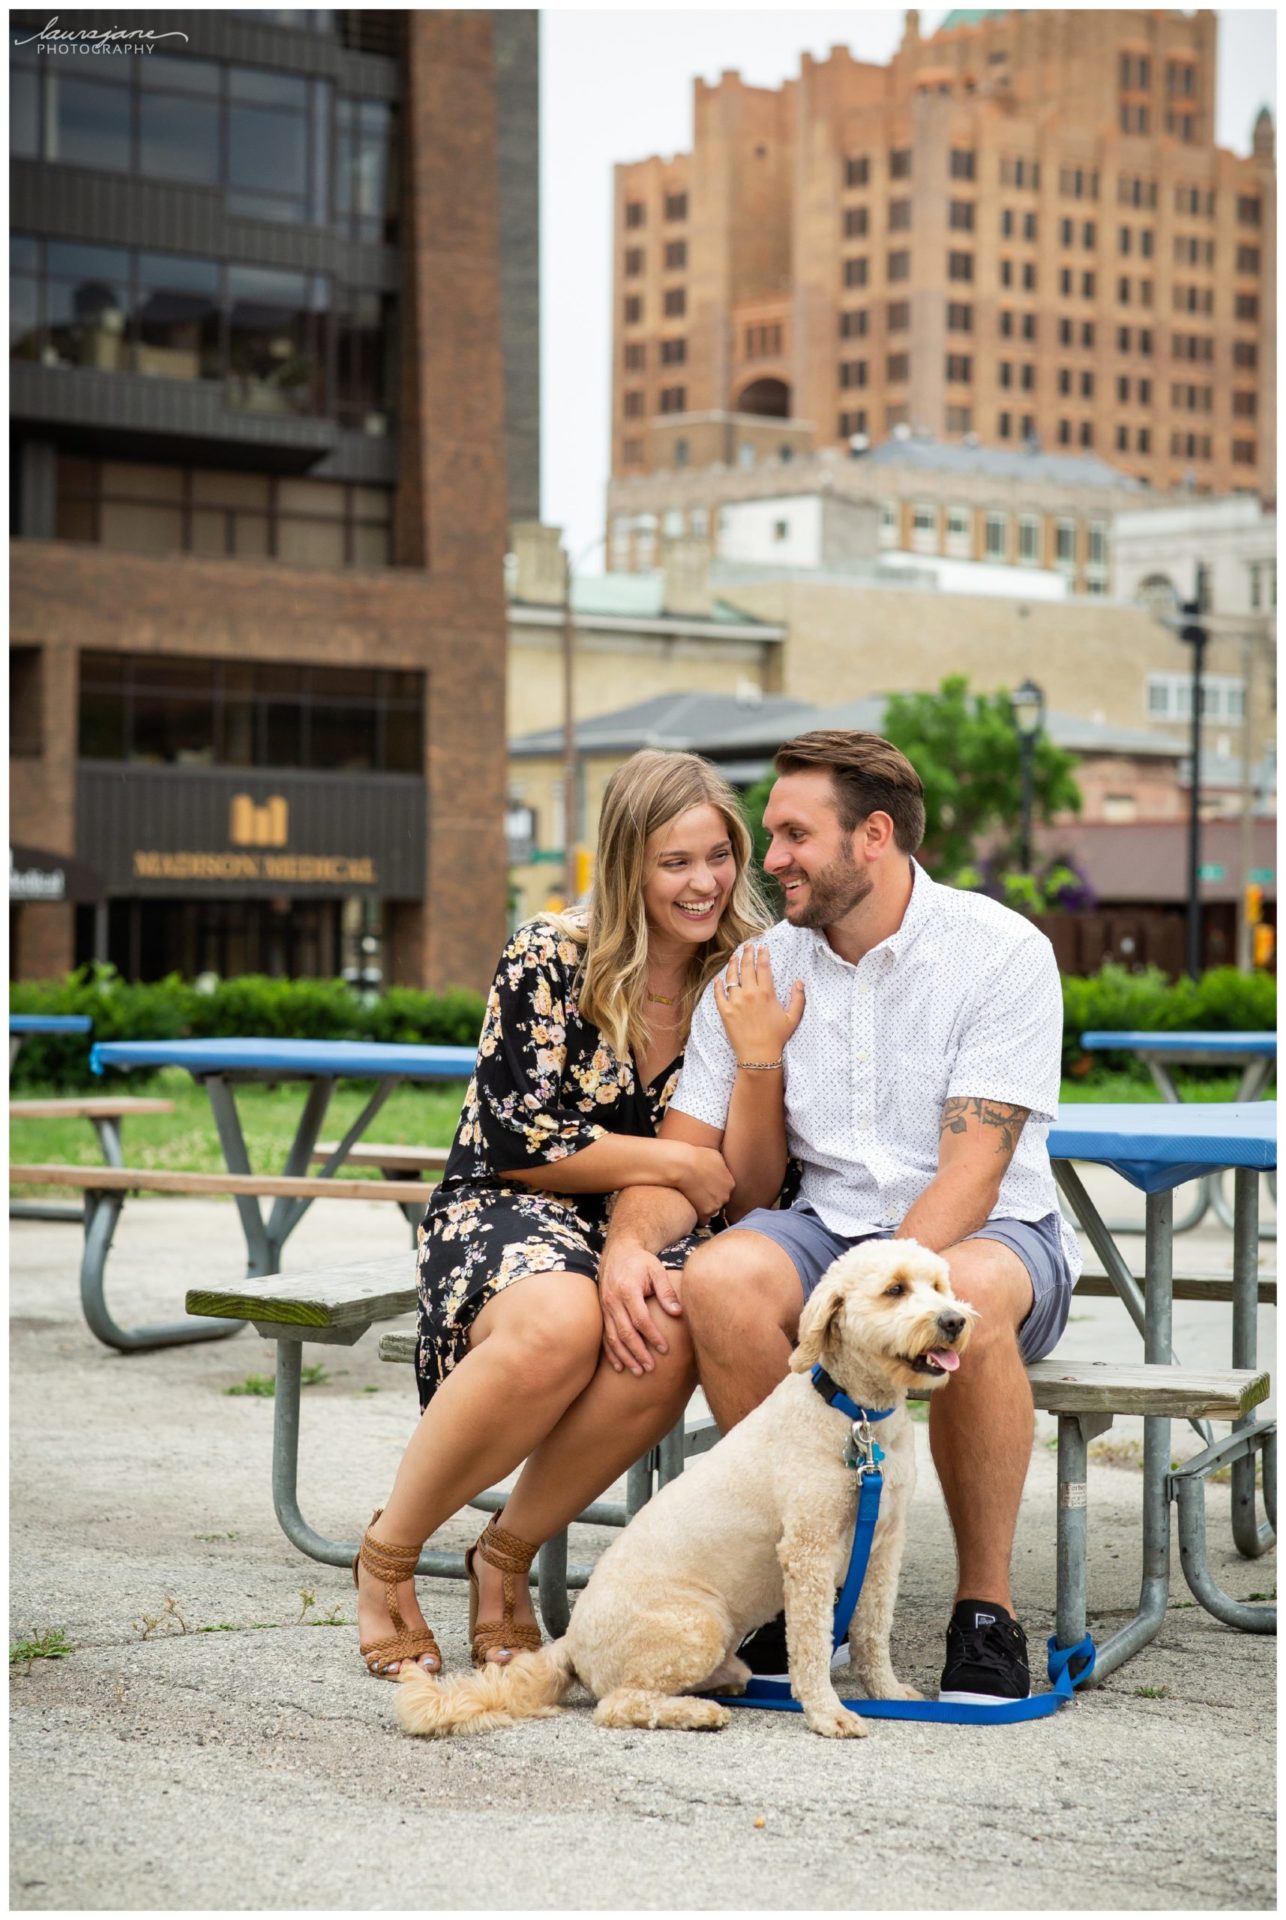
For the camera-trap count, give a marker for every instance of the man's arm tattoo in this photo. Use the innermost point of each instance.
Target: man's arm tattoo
(1006, 1119)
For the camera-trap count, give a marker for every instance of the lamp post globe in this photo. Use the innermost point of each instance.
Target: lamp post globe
(1027, 704)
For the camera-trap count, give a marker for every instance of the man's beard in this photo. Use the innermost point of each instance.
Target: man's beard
(832, 893)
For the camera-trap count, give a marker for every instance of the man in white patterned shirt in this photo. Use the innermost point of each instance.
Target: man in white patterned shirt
(919, 1089)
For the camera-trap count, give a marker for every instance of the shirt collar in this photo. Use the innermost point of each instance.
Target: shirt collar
(919, 912)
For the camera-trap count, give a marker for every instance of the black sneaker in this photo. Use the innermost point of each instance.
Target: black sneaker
(764, 1651)
(986, 1656)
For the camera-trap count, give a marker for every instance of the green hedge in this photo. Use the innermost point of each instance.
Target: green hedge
(1221, 1001)
(254, 1006)
(251, 1006)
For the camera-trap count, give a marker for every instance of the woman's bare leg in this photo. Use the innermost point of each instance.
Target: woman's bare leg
(532, 1350)
(614, 1421)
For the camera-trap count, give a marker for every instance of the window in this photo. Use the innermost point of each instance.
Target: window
(676, 255)
(763, 342)
(1122, 439)
(1006, 223)
(675, 303)
(899, 266)
(853, 324)
(366, 178)
(960, 215)
(633, 309)
(857, 170)
(898, 317)
(1169, 696)
(1003, 426)
(1027, 373)
(1087, 434)
(851, 423)
(1005, 371)
(852, 373)
(635, 213)
(1087, 333)
(1145, 340)
(674, 353)
(1243, 453)
(959, 542)
(1245, 353)
(681, 460)
(1263, 585)
(634, 405)
(633, 262)
(1006, 324)
(1066, 333)
(632, 453)
(1064, 379)
(1123, 240)
(1145, 440)
(899, 216)
(1065, 543)
(959, 317)
(959, 419)
(1248, 209)
(1145, 242)
(1087, 385)
(896, 415)
(1064, 433)
(1064, 279)
(635, 357)
(997, 534)
(959, 366)
(1243, 406)
(900, 164)
(1028, 539)
(962, 163)
(855, 273)
(959, 266)
(674, 399)
(1029, 326)
(924, 527)
(1078, 183)
(1246, 306)
(1248, 259)
(676, 206)
(856, 221)
(1029, 276)
(1006, 273)
(1135, 73)
(1066, 232)
(1087, 286)
(899, 367)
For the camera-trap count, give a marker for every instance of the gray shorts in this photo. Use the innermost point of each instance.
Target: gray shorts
(812, 1246)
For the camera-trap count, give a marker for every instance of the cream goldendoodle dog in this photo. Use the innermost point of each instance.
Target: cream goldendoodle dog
(765, 1515)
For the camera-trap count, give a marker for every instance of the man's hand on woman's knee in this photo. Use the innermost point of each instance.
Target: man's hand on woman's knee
(627, 1277)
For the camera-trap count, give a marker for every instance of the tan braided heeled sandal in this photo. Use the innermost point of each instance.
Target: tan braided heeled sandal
(513, 1557)
(393, 1565)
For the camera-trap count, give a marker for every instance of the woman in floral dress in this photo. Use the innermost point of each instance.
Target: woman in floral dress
(580, 1050)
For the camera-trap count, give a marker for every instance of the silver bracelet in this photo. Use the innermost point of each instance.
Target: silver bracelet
(760, 1066)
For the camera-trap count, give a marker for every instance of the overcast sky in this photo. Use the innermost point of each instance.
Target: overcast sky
(617, 85)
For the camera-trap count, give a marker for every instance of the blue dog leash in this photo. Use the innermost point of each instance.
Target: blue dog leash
(864, 1456)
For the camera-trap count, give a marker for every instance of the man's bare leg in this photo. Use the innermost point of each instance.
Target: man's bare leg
(742, 1298)
(981, 1421)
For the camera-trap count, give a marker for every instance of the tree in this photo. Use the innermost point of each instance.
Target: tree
(966, 750)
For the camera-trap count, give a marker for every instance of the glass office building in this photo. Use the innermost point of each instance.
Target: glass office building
(274, 368)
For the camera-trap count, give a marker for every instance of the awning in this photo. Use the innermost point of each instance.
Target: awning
(37, 875)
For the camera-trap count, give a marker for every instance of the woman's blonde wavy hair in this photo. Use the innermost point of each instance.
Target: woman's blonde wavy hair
(647, 792)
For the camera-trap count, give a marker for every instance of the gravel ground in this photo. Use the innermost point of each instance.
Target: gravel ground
(257, 1767)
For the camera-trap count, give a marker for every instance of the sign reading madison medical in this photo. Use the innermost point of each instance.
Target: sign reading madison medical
(177, 832)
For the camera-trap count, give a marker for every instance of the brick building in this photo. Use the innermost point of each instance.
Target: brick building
(1020, 228)
(274, 388)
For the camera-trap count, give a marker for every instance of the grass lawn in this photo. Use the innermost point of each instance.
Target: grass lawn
(412, 1116)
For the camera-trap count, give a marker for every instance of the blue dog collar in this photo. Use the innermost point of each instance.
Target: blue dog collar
(834, 1396)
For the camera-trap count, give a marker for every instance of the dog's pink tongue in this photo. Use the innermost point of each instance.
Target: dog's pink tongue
(945, 1359)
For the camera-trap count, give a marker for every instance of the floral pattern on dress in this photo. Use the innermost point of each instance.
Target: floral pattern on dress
(546, 1085)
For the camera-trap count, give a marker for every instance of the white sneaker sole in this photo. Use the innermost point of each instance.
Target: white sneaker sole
(982, 1699)
(839, 1660)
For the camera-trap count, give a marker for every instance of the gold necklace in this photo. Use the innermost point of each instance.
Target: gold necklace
(663, 1000)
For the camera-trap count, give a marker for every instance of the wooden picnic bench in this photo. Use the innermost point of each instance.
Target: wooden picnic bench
(338, 1306)
(393, 1162)
(104, 1115)
(106, 1188)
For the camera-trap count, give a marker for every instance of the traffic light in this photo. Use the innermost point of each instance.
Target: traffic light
(1254, 904)
(1265, 945)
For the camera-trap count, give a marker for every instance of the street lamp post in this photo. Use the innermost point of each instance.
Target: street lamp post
(570, 768)
(1193, 633)
(1028, 705)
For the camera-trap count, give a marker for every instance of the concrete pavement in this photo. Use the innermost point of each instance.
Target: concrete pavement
(213, 1744)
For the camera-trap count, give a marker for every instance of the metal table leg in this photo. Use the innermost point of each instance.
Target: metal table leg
(102, 1211)
(261, 1256)
(1251, 1537)
(1155, 1587)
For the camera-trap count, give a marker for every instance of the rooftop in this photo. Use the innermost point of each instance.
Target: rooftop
(1000, 463)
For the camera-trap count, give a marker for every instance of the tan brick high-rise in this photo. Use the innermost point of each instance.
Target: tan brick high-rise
(1019, 227)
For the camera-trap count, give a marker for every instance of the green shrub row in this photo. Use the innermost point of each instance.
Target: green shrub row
(1115, 999)
(1222, 1001)
(251, 1006)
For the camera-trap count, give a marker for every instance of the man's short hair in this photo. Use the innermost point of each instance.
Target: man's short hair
(869, 776)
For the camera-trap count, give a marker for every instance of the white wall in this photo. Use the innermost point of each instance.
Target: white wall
(783, 532)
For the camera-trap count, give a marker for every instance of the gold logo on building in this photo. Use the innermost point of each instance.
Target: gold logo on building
(255, 826)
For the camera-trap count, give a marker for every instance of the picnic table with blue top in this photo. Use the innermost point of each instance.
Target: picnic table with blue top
(1156, 1149)
(220, 1066)
(22, 1024)
(1254, 1053)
